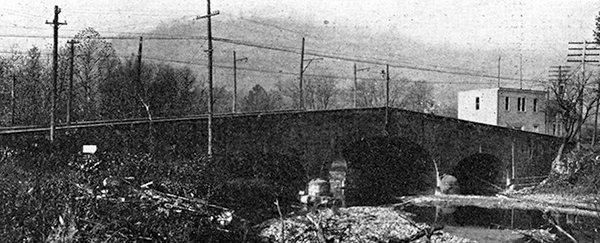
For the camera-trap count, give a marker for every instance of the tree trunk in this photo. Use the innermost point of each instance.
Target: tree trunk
(558, 166)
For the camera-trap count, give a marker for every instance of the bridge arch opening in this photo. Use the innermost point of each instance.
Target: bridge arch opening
(478, 174)
(379, 169)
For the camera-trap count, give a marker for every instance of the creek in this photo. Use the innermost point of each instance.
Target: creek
(502, 225)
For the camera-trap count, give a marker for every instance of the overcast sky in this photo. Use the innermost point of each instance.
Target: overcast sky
(535, 26)
(456, 22)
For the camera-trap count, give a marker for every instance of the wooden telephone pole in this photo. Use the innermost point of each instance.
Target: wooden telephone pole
(12, 100)
(584, 59)
(55, 24)
(558, 75)
(235, 60)
(386, 72)
(208, 16)
(301, 74)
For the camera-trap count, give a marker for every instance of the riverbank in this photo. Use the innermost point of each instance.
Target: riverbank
(538, 216)
(589, 201)
(586, 206)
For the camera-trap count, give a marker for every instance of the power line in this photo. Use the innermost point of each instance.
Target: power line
(277, 27)
(21, 14)
(293, 73)
(289, 50)
(265, 71)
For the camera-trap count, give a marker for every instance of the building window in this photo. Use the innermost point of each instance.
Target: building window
(521, 104)
(536, 128)
(535, 101)
(506, 103)
(476, 103)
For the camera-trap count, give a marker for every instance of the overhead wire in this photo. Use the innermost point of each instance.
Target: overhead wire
(222, 66)
(280, 72)
(288, 50)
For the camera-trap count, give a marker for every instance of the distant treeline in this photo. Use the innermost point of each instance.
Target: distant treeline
(106, 86)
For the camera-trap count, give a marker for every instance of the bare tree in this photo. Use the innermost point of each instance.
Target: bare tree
(33, 89)
(320, 92)
(575, 98)
(96, 60)
(416, 96)
(371, 92)
(257, 100)
(404, 93)
(289, 94)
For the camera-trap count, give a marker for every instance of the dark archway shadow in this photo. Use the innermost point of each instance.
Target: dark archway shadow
(383, 168)
(478, 174)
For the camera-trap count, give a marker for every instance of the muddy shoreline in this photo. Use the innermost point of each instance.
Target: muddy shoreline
(587, 207)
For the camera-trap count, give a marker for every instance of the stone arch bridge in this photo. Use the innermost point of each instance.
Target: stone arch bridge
(320, 138)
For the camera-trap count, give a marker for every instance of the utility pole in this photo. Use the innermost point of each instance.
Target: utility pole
(387, 86)
(558, 75)
(55, 24)
(139, 62)
(12, 100)
(301, 73)
(235, 60)
(583, 61)
(208, 16)
(499, 57)
(302, 69)
(387, 96)
(142, 93)
(356, 83)
(521, 72)
(69, 99)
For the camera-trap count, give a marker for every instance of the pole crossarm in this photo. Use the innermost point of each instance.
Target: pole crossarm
(583, 59)
(310, 61)
(214, 13)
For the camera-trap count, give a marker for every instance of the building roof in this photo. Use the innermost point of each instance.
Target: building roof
(510, 90)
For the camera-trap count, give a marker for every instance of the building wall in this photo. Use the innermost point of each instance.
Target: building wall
(488, 106)
(529, 119)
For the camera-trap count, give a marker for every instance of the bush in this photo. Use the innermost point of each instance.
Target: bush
(583, 175)
(52, 195)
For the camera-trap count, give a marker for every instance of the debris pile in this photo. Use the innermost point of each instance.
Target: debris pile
(122, 190)
(354, 224)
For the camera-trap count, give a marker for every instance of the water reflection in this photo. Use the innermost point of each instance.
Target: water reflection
(468, 219)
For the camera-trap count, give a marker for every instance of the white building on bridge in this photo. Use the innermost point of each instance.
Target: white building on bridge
(522, 109)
